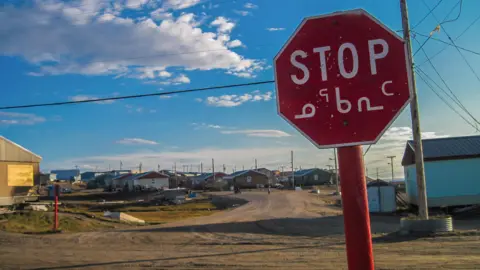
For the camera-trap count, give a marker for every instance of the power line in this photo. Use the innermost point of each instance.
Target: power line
(459, 36)
(453, 96)
(366, 151)
(453, 42)
(135, 96)
(448, 14)
(447, 43)
(444, 101)
(419, 22)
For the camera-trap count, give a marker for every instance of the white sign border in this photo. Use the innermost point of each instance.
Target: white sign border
(408, 69)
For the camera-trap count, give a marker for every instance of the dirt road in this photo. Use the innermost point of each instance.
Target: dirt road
(286, 229)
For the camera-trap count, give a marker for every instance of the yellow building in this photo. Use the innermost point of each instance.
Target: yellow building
(19, 172)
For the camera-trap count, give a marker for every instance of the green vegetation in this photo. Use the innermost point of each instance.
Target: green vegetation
(39, 222)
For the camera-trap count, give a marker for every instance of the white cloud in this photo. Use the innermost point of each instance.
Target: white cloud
(250, 5)
(271, 29)
(14, 118)
(136, 4)
(88, 97)
(237, 100)
(116, 45)
(150, 159)
(181, 79)
(198, 126)
(234, 43)
(198, 99)
(179, 4)
(223, 24)
(242, 12)
(269, 133)
(392, 143)
(136, 141)
(167, 96)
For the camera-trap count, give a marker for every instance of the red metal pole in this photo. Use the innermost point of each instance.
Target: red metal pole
(355, 208)
(55, 215)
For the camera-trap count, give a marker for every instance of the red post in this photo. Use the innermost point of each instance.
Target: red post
(55, 215)
(355, 208)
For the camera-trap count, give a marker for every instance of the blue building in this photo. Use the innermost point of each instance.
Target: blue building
(452, 171)
(69, 175)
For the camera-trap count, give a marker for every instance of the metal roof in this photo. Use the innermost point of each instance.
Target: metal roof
(444, 148)
(450, 147)
(303, 172)
(239, 173)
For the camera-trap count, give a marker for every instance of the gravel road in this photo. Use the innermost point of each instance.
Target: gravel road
(286, 229)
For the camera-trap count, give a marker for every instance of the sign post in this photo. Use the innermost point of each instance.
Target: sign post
(342, 79)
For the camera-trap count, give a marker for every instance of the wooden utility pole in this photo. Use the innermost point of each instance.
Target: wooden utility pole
(201, 167)
(158, 167)
(337, 190)
(391, 163)
(293, 169)
(175, 173)
(377, 174)
(140, 167)
(213, 169)
(417, 136)
(255, 164)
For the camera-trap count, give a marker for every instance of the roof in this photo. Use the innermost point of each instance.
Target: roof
(205, 176)
(134, 176)
(304, 172)
(4, 156)
(444, 149)
(240, 173)
(72, 172)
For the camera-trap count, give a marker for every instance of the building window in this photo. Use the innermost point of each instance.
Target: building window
(315, 177)
(249, 179)
(153, 181)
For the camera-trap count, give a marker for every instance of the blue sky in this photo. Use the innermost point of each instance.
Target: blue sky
(74, 50)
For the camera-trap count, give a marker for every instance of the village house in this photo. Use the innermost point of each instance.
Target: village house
(247, 179)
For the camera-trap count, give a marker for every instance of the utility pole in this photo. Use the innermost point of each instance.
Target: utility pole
(329, 166)
(108, 167)
(201, 167)
(391, 163)
(224, 168)
(377, 174)
(175, 173)
(293, 169)
(140, 167)
(213, 169)
(255, 164)
(243, 167)
(337, 191)
(121, 164)
(158, 167)
(417, 136)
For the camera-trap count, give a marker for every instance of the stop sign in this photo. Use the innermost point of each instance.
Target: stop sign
(342, 79)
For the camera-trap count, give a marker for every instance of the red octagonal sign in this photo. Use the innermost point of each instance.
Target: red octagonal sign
(342, 79)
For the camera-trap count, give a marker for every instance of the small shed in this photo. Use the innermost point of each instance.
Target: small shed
(19, 172)
(247, 179)
(451, 171)
(381, 197)
(312, 177)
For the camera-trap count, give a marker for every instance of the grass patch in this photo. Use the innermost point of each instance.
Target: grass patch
(37, 222)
